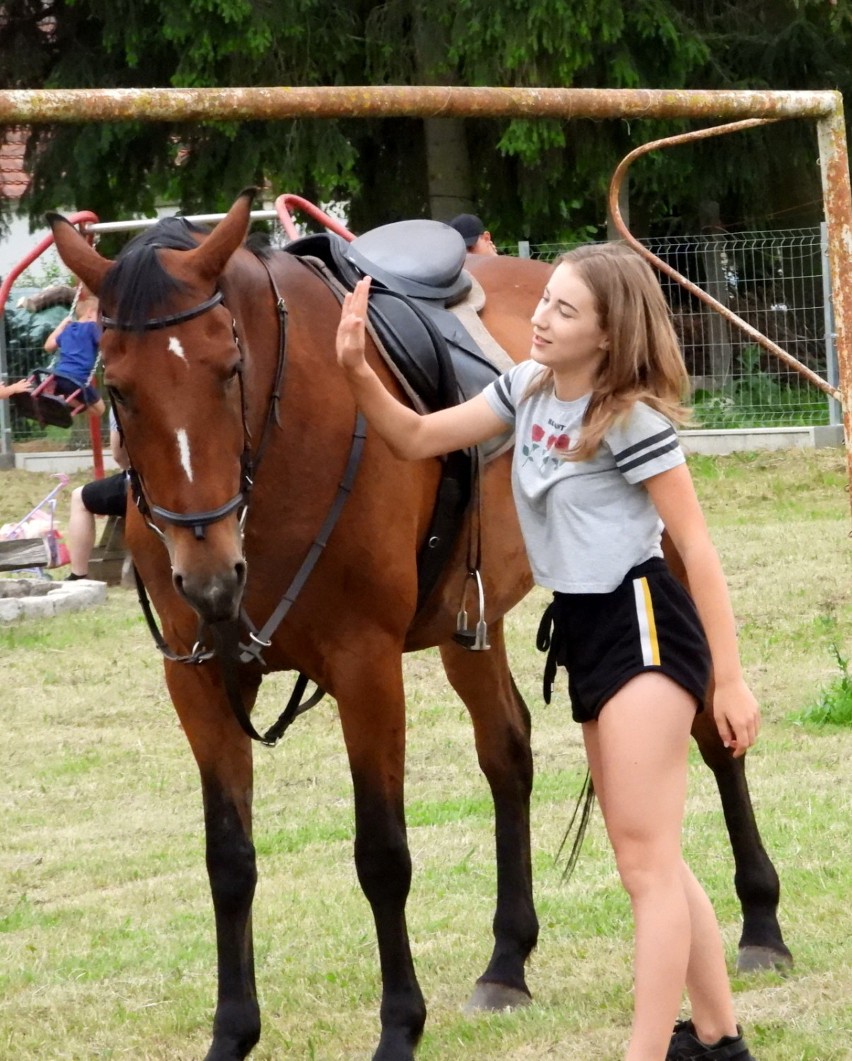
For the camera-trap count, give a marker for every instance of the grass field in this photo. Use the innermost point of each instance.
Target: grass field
(106, 933)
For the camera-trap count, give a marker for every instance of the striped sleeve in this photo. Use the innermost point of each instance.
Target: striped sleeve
(498, 394)
(644, 445)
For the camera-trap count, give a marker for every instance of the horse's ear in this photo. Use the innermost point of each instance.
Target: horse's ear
(76, 252)
(211, 257)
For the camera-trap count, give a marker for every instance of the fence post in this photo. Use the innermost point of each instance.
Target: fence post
(721, 355)
(832, 373)
(7, 455)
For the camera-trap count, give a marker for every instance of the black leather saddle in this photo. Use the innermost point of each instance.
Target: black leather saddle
(417, 272)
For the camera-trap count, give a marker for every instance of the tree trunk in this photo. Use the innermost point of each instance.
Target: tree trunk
(448, 172)
(448, 168)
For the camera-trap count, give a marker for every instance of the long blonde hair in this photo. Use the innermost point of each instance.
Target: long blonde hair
(643, 361)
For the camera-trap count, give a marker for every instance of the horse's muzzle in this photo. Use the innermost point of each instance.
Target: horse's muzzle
(214, 596)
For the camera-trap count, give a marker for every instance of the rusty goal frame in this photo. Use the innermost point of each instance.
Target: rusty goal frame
(27, 107)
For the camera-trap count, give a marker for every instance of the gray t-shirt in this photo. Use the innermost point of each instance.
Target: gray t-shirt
(585, 523)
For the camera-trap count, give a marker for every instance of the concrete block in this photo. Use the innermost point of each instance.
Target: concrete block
(10, 608)
(37, 607)
(721, 442)
(59, 597)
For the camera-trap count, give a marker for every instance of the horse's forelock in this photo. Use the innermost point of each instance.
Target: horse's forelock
(138, 287)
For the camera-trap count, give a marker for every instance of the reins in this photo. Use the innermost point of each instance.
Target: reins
(228, 649)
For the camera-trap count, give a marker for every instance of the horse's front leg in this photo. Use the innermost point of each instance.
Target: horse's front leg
(224, 758)
(501, 724)
(755, 879)
(372, 712)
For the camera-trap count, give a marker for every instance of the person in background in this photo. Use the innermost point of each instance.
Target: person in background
(598, 472)
(476, 237)
(101, 497)
(77, 341)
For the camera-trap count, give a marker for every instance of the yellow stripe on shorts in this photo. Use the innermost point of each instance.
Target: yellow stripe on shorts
(647, 623)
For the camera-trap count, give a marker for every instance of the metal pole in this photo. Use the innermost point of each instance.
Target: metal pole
(25, 107)
(7, 456)
(837, 196)
(831, 371)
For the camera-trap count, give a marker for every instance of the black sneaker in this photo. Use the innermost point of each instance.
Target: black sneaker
(686, 1045)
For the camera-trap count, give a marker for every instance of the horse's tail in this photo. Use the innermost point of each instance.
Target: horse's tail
(578, 825)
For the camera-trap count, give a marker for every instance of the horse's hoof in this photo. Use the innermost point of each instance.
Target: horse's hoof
(493, 998)
(755, 959)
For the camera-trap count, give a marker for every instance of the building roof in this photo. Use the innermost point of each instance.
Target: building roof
(13, 178)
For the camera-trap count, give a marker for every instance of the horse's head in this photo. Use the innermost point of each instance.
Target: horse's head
(173, 365)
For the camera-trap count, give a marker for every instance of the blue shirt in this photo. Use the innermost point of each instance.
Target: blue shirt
(78, 350)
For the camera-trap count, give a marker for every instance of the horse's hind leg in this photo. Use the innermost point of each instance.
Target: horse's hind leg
(755, 879)
(224, 758)
(501, 725)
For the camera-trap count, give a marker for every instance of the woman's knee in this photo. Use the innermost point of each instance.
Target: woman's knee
(646, 862)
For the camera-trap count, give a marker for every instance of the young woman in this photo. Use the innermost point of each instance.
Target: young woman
(598, 471)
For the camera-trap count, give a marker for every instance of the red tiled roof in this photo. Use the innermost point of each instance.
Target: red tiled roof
(13, 179)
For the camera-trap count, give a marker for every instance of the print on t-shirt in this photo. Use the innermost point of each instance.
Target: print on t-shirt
(546, 445)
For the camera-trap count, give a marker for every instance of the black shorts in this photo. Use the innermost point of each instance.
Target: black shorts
(649, 623)
(106, 497)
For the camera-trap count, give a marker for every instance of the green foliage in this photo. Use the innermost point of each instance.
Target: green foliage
(834, 706)
(756, 398)
(541, 180)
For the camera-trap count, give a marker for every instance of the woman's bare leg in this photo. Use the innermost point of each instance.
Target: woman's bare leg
(638, 756)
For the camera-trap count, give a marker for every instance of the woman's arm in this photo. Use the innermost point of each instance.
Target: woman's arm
(409, 435)
(734, 707)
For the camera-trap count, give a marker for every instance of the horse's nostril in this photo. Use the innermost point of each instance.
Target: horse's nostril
(177, 580)
(240, 572)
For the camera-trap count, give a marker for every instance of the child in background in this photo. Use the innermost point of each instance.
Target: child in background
(77, 342)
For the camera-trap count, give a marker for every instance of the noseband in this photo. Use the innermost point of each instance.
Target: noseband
(198, 521)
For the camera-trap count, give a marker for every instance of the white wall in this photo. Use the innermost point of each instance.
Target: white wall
(19, 242)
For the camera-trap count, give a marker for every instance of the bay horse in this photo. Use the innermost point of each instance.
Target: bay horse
(238, 456)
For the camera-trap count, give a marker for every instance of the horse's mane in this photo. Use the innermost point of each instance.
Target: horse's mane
(260, 244)
(137, 285)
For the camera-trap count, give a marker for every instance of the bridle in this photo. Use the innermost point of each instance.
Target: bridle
(228, 648)
(198, 521)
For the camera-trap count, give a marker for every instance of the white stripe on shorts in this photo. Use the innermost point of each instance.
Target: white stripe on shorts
(647, 623)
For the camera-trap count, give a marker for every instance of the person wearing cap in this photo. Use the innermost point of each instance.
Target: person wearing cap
(476, 237)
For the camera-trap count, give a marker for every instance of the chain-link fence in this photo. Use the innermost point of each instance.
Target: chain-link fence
(777, 282)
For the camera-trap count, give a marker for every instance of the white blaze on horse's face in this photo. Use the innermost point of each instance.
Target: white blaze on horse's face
(183, 449)
(177, 350)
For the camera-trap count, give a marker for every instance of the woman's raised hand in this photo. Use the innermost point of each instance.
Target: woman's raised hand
(350, 331)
